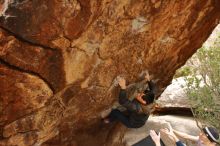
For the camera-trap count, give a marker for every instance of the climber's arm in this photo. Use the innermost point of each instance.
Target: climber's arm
(123, 100)
(151, 84)
(186, 136)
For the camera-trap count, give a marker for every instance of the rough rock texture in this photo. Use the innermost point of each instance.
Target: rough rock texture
(45, 63)
(174, 95)
(60, 58)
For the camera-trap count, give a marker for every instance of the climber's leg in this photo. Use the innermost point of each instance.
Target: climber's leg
(118, 115)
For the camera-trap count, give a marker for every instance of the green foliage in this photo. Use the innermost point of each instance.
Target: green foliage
(203, 86)
(184, 71)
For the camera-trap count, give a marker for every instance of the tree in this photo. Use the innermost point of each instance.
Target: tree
(203, 85)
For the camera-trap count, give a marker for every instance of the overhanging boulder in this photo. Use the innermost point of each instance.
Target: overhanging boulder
(79, 47)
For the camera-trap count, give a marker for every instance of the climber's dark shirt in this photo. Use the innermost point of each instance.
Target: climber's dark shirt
(179, 143)
(136, 118)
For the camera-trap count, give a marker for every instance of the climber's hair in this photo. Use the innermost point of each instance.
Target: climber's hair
(148, 97)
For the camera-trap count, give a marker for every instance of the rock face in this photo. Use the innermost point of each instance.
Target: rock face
(174, 95)
(59, 60)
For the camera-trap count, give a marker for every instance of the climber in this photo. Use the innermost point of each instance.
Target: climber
(207, 137)
(134, 116)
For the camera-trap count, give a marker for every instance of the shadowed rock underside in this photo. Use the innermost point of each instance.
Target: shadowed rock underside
(59, 61)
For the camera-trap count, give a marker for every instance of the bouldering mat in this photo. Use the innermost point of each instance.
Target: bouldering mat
(147, 141)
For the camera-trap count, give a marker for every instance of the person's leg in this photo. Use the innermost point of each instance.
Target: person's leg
(118, 115)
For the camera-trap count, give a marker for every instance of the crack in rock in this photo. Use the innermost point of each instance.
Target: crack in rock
(28, 72)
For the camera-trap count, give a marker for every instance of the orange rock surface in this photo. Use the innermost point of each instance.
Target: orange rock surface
(59, 60)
